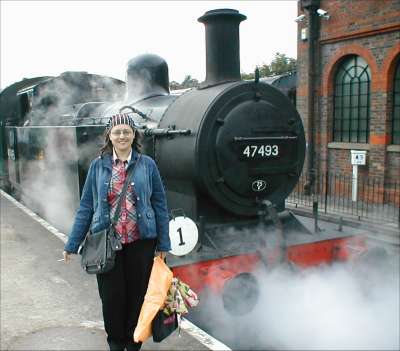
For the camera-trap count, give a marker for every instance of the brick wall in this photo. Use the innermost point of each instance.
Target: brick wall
(371, 29)
(350, 17)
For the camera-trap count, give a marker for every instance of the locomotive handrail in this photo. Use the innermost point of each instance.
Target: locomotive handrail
(96, 121)
(284, 137)
(166, 132)
(147, 132)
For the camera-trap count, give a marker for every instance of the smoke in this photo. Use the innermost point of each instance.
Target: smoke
(50, 196)
(53, 157)
(57, 101)
(351, 306)
(50, 178)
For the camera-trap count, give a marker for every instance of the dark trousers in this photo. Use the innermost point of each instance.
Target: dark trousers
(122, 292)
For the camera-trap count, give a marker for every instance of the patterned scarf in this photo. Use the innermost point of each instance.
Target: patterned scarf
(126, 225)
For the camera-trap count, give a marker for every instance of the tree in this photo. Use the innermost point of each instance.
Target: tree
(190, 82)
(279, 65)
(174, 85)
(265, 70)
(282, 64)
(247, 76)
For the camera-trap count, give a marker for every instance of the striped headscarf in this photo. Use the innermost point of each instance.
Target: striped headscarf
(120, 118)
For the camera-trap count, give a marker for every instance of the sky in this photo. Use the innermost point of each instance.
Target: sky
(50, 37)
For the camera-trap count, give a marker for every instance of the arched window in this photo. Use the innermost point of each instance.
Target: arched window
(396, 106)
(352, 101)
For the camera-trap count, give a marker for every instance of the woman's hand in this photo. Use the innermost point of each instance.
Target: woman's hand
(66, 256)
(161, 254)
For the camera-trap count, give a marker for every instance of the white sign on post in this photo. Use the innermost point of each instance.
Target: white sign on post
(358, 158)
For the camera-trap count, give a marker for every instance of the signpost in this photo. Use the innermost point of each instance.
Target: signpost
(358, 158)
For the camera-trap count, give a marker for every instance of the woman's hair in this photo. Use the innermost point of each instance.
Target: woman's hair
(107, 147)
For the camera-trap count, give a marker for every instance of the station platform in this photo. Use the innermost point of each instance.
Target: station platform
(47, 304)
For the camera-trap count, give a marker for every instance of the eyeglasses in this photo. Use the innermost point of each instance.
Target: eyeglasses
(124, 132)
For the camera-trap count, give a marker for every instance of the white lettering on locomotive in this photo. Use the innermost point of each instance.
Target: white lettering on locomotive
(251, 151)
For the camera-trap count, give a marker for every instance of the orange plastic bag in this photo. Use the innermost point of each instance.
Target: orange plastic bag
(159, 283)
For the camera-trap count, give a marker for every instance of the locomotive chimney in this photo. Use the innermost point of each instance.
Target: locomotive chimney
(222, 46)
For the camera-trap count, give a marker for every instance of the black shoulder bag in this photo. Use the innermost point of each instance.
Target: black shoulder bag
(99, 249)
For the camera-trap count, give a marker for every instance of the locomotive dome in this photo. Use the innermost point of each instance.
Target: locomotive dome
(146, 76)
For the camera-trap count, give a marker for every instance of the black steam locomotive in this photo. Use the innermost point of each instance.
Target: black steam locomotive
(221, 148)
(229, 152)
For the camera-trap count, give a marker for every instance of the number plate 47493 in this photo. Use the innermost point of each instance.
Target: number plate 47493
(260, 151)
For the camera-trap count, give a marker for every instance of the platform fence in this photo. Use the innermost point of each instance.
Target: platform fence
(376, 200)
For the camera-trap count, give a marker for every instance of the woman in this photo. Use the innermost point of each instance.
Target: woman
(142, 226)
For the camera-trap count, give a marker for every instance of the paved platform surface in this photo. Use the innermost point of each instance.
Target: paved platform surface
(50, 305)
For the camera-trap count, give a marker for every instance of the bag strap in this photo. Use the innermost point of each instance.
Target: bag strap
(123, 192)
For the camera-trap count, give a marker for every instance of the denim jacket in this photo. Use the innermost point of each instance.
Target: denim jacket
(151, 206)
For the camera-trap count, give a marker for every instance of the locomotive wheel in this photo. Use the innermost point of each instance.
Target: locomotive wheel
(241, 294)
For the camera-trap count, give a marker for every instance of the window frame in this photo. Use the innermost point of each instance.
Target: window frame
(395, 123)
(352, 101)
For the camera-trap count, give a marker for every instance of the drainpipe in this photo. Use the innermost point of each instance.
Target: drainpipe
(311, 6)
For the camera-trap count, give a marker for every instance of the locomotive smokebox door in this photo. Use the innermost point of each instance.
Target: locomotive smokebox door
(252, 144)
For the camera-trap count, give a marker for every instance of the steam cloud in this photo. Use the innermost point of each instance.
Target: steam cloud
(51, 182)
(49, 156)
(352, 306)
(55, 102)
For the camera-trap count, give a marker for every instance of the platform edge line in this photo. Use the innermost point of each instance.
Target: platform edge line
(34, 216)
(202, 336)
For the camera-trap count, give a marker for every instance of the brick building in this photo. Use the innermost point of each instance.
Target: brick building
(348, 91)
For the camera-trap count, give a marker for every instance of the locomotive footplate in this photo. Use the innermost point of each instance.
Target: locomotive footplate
(242, 238)
(236, 253)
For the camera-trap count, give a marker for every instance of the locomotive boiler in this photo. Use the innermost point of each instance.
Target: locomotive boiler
(229, 153)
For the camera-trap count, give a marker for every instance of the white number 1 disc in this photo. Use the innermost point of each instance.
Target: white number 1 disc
(184, 235)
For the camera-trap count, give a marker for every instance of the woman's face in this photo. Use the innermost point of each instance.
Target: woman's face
(122, 137)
